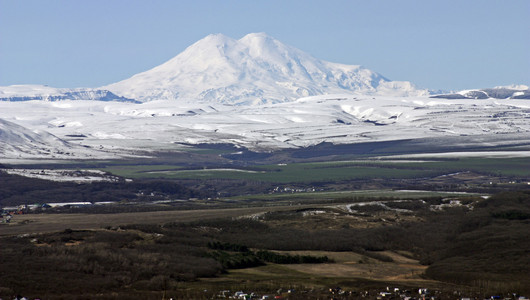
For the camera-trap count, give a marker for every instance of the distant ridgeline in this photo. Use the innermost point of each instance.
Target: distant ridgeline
(496, 93)
(73, 94)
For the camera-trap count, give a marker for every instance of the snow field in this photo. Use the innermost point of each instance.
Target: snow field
(332, 118)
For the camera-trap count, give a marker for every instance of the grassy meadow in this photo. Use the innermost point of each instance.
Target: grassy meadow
(333, 170)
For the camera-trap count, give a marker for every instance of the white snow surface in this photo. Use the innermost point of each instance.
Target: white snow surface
(117, 128)
(27, 92)
(18, 142)
(64, 175)
(255, 69)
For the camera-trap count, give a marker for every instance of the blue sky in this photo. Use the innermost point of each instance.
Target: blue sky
(449, 45)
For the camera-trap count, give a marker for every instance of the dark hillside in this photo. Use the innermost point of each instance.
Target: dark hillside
(17, 190)
(490, 246)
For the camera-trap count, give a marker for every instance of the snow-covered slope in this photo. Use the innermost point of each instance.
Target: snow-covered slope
(18, 142)
(254, 69)
(501, 92)
(120, 128)
(46, 93)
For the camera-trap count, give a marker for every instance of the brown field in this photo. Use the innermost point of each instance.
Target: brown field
(41, 223)
(348, 269)
(350, 264)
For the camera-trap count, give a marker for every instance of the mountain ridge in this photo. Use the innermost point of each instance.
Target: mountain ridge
(499, 92)
(30, 92)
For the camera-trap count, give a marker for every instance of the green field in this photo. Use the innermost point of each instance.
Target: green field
(139, 171)
(333, 170)
(372, 195)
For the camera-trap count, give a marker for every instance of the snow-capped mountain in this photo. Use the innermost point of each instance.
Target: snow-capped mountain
(500, 92)
(46, 93)
(254, 69)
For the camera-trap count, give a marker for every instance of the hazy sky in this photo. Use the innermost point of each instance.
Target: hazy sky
(448, 45)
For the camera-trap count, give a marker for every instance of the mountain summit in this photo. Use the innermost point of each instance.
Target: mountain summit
(252, 70)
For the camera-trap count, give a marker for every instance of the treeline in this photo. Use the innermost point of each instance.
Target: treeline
(17, 190)
(237, 260)
(245, 258)
(228, 247)
(279, 258)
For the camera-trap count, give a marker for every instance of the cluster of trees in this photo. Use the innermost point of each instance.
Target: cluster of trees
(235, 256)
(236, 260)
(227, 246)
(279, 258)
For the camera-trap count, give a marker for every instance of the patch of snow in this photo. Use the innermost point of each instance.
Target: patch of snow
(351, 207)
(77, 176)
(313, 213)
(499, 154)
(207, 170)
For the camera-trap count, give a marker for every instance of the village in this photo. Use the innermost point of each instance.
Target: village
(8, 212)
(337, 293)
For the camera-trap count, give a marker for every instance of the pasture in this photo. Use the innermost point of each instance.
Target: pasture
(329, 171)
